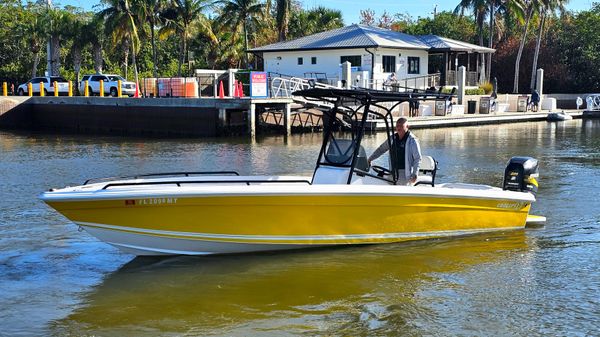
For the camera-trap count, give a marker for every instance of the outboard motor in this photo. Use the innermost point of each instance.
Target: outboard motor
(520, 175)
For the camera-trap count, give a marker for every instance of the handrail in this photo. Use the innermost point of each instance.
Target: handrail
(284, 87)
(178, 183)
(593, 102)
(187, 174)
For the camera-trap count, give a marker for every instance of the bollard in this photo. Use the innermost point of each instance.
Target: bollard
(70, 89)
(55, 89)
(29, 89)
(42, 90)
(119, 89)
(101, 88)
(4, 89)
(86, 90)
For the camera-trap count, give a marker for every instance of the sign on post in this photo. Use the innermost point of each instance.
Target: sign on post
(258, 84)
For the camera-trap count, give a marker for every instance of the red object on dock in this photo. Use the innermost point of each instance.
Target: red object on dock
(221, 93)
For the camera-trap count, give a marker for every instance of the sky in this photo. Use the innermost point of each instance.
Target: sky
(351, 9)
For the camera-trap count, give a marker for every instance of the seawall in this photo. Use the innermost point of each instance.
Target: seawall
(125, 116)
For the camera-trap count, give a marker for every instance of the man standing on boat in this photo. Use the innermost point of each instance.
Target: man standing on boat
(405, 155)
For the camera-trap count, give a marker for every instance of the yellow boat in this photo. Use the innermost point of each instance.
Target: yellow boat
(345, 202)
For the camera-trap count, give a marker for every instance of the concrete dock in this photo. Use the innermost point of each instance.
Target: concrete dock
(205, 117)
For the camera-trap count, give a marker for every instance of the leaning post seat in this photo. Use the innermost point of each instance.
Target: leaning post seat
(427, 170)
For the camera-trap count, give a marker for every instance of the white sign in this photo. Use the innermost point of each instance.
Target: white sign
(258, 84)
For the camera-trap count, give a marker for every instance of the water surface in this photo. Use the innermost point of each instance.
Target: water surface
(58, 281)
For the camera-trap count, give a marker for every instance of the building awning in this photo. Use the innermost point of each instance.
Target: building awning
(444, 44)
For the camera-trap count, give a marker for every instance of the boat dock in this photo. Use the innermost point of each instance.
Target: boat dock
(207, 117)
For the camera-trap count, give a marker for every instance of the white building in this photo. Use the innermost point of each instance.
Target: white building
(374, 53)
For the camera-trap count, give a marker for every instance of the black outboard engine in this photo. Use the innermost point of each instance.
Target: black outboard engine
(520, 175)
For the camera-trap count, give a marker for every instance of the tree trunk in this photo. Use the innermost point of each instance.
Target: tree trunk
(246, 43)
(98, 58)
(537, 50)
(55, 59)
(491, 39)
(77, 64)
(152, 37)
(36, 62)
(134, 63)
(520, 52)
(126, 57)
(181, 51)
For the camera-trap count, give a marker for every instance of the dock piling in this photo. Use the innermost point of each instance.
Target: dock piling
(101, 88)
(252, 120)
(55, 89)
(42, 90)
(287, 118)
(86, 89)
(29, 89)
(70, 89)
(119, 89)
(4, 89)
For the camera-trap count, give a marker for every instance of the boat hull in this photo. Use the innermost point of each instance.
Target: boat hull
(221, 224)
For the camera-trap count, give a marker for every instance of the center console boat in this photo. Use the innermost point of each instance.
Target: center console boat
(344, 202)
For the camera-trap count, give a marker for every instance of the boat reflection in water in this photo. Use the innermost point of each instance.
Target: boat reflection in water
(377, 289)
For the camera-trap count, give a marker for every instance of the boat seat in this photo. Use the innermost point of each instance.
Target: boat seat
(427, 171)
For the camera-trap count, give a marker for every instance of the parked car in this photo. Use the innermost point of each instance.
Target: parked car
(110, 85)
(63, 86)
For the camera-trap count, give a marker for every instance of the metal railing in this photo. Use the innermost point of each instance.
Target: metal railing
(284, 87)
(406, 84)
(471, 78)
(593, 102)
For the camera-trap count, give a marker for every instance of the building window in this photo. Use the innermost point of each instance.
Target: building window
(313, 60)
(300, 61)
(389, 64)
(413, 65)
(355, 60)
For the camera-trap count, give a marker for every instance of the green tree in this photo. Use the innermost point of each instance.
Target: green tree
(547, 7)
(241, 14)
(183, 18)
(283, 18)
(120, 23)
(151, 11)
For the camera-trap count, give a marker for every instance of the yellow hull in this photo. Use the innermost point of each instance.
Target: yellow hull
(301, 220)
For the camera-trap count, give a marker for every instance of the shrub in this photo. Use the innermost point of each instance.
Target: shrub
(487, 87)
(477, 91)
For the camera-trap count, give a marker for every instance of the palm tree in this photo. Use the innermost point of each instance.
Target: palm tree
(531, 4)
(94, 31)
(479, 9)
(56, 24)
(314, 21)
(152, 10)
(120, 20)
(239, 14)
(80, 38)
(34, 32)
(547, 7)
(183, 18)
(283, 18)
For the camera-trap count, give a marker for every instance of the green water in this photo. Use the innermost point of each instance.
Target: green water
(55, 280)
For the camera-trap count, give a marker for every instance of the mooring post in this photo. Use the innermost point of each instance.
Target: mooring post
(4, 89)
(252, 120)
(462, 76)
(539, 86)
(223, 117)
(287, 118)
